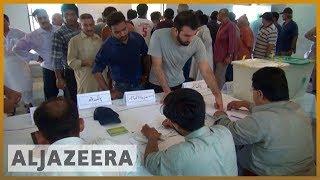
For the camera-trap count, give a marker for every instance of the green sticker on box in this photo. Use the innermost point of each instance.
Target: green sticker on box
(117, 131)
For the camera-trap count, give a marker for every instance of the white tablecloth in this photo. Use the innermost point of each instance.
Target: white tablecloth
(18, 128)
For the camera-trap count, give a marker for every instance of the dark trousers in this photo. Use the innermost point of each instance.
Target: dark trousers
(186, 70)
(70, 91)
(49, 84)
(229, 73)
(158, 89)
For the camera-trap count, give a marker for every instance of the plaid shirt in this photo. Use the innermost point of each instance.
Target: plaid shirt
(60, 42)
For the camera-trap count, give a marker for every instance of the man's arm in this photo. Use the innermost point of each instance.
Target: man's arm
(244, 131)
(72, 58)
(294, 44)
(56, 56)
(209, 78)
(157, 68)
(22, 48)
(101, 81)
(311, 34)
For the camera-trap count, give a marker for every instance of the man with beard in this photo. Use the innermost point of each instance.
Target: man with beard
(170, 48)
(40, 41)
(125, 53)
(82, 50)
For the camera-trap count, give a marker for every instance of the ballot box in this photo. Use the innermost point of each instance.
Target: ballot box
(298, 72)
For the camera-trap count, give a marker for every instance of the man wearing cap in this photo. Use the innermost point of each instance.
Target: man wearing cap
(40, 40)
(82, 50)
(289, 34)
(64, 74)
(266, 37)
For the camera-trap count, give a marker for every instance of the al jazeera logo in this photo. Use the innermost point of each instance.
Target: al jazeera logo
(72, 158)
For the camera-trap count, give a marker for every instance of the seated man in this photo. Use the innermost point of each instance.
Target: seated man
(277, 133)
(205, 152)
(59, 123)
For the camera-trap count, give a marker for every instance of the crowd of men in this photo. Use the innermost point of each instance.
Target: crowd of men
(119, 54)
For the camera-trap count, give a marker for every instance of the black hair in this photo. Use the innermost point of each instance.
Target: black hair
(168, 13)
(107, 11)
(155, 16)
(186, 18)
(142, 9)
(276, 15)
(115, 18)
(214, 15)
(132, 14)
(232, 16)
(57, 118)
(199, 13)
(66, 7)
(272, 82)
(203, 19)
(185, 107)
(6, 18)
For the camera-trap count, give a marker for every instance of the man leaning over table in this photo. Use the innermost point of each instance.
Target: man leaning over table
(277, 135)
(170, 48)
(82, 50)
(206, 151)
(125, 54)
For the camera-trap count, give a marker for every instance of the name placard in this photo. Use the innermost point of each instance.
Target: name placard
(95, 99)
(139, 97)
(200, 86)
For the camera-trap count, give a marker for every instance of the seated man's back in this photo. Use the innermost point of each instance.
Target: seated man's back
(205, 152)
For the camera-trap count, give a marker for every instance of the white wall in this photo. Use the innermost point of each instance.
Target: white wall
(305, 17)
(96, 9)
(205, 8)
(18, 15)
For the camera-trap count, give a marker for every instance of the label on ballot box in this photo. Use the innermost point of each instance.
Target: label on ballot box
(200, 86)
(139, 97)
(95, 99)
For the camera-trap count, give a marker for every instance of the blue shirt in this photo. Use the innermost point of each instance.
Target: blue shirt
(279, 28)
(124, 60)
(288, 32)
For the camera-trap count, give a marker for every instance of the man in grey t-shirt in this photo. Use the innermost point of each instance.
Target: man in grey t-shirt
(170, 48)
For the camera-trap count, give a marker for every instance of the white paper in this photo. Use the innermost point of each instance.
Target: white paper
(32, 109)
(139, 97)
(200, 86)
(95, 99)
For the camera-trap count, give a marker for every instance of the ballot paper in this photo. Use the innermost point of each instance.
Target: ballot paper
(95, 99)
(139, 138)
(117, 131)
(200, 86)
(143, 97)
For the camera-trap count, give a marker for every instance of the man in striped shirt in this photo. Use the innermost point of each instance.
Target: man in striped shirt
(266, 38)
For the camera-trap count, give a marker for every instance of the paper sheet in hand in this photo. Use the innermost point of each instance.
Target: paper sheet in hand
(117, 131)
